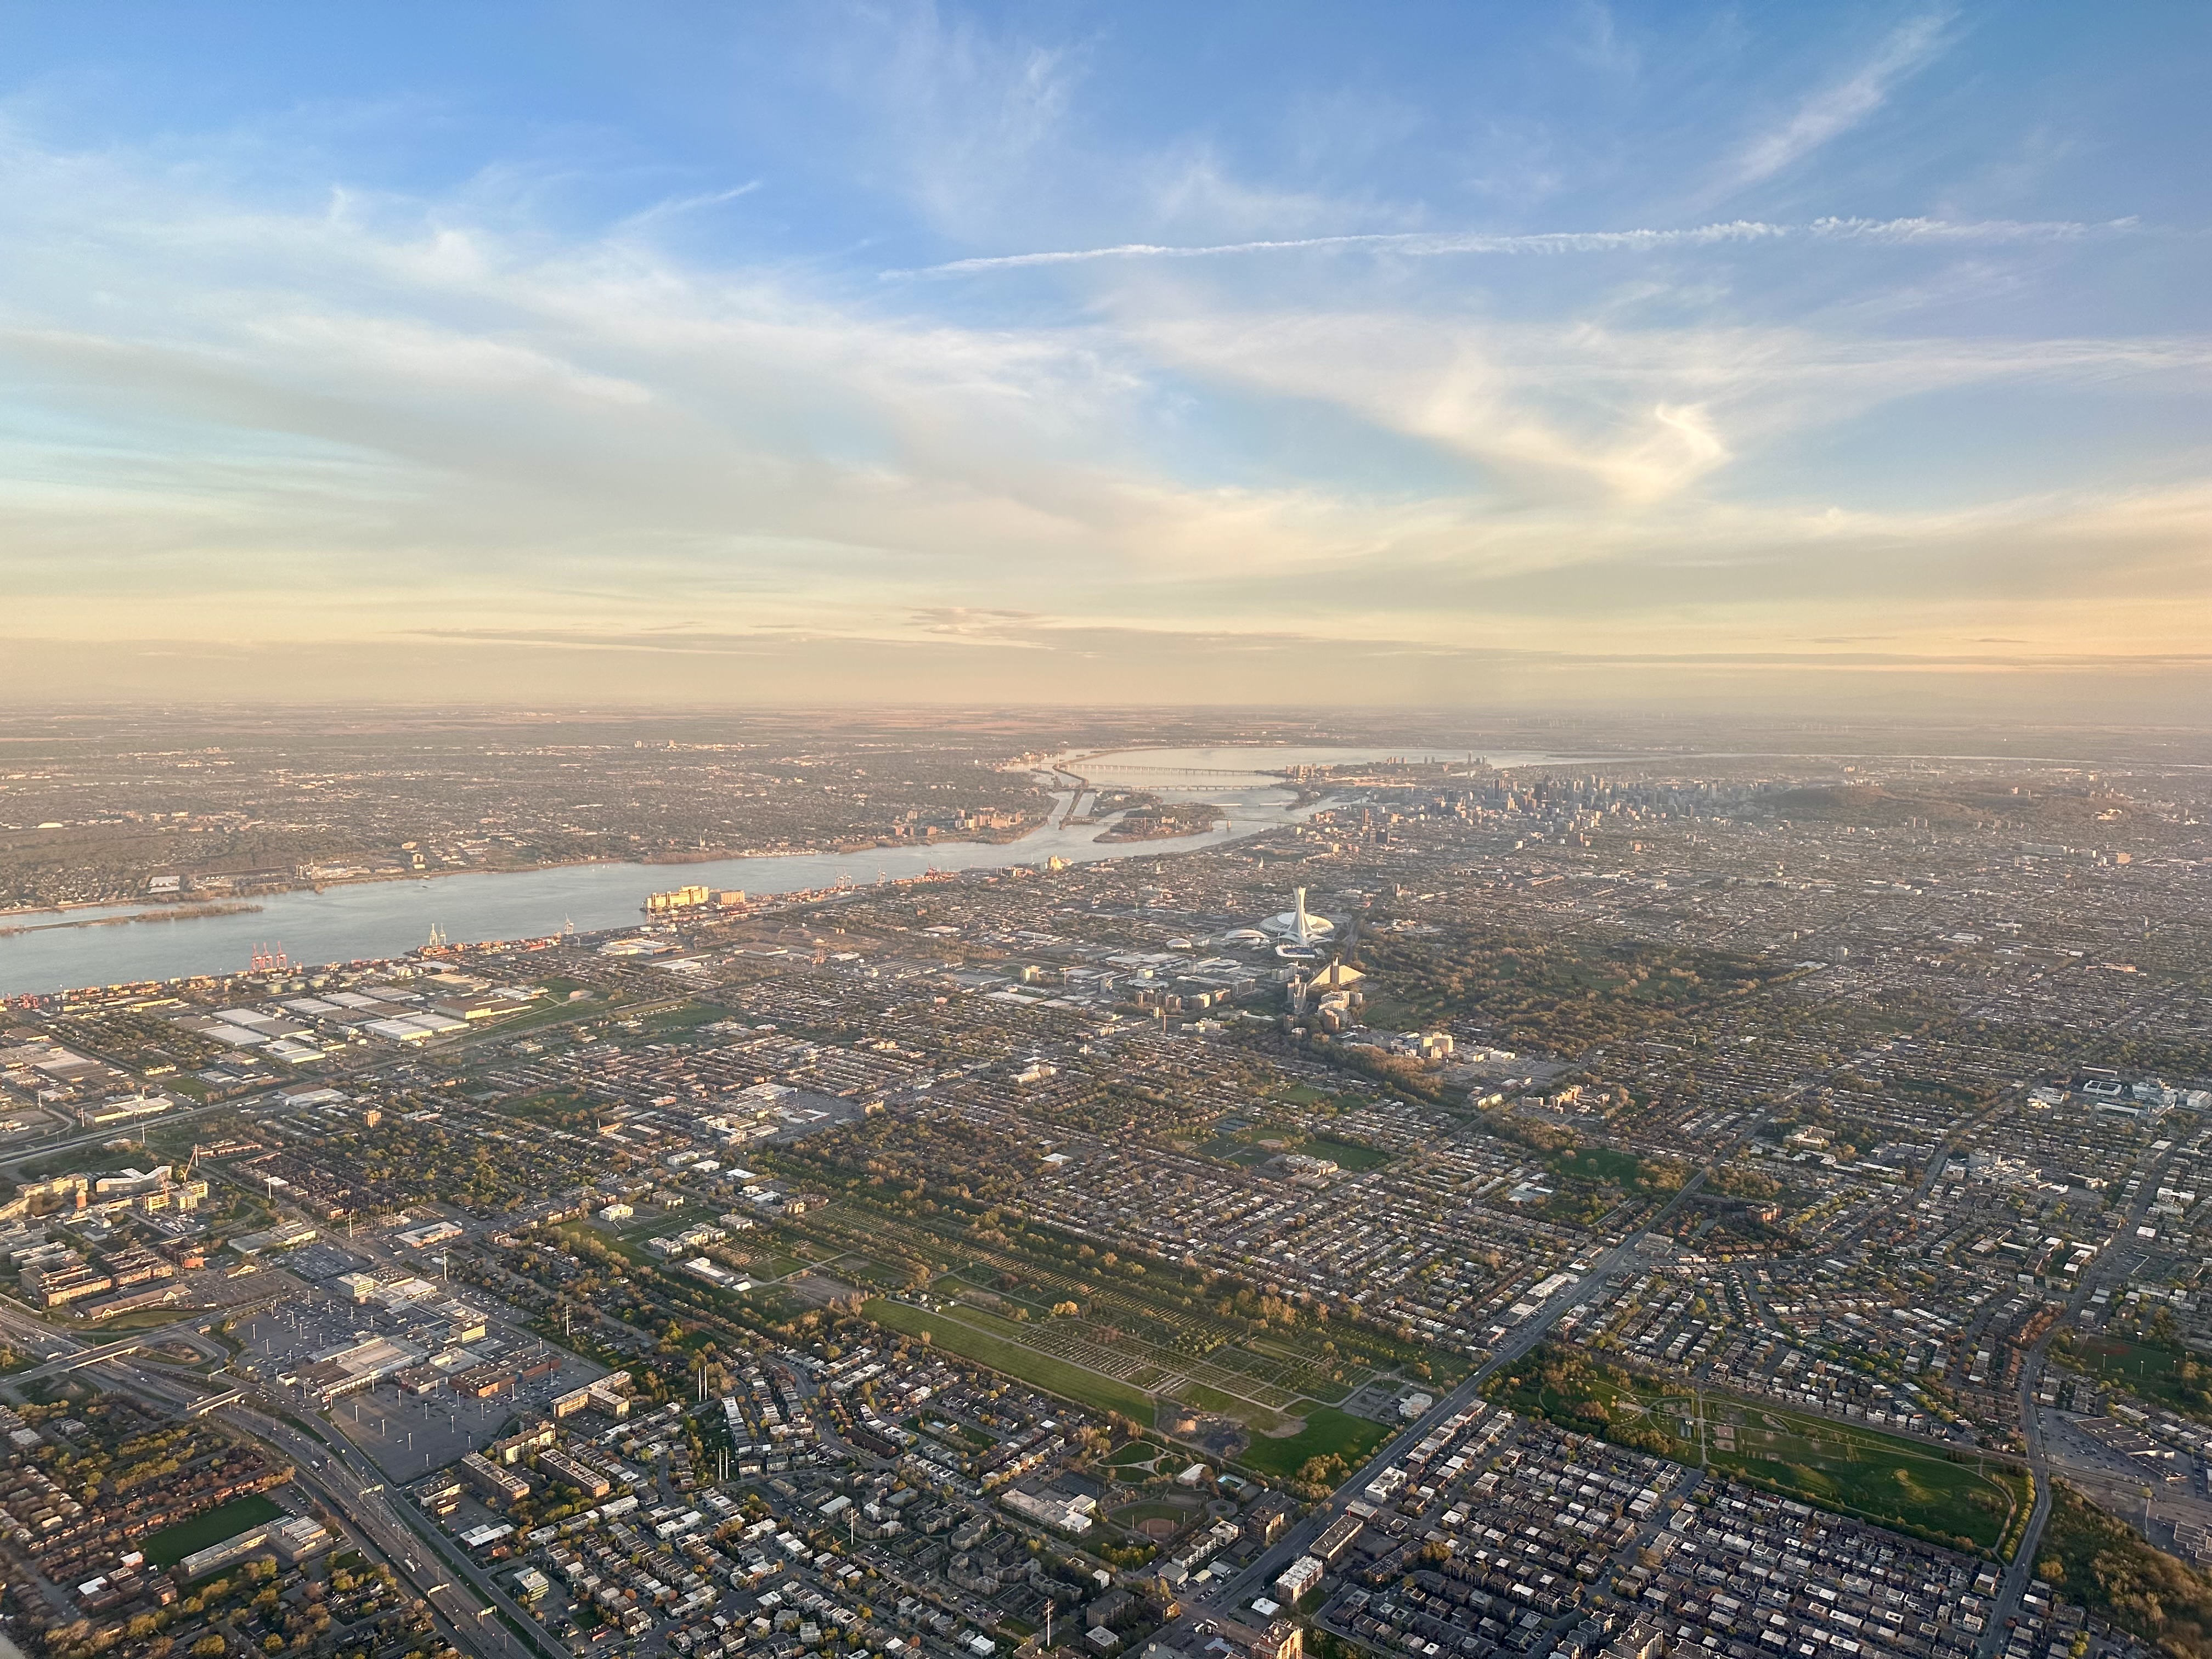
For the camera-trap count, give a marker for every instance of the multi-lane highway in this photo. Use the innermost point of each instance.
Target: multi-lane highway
(353, 1493)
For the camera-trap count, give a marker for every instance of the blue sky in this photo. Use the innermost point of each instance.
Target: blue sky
(1439, 353)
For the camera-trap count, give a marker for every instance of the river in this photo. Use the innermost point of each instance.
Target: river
(54, 951)
(48, 951)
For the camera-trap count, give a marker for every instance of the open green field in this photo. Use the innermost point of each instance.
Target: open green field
(2151, 1363)
(2150, 1369)
(1261, 1419)
(1152, 1509)
(1140, 1454)
(1257, 1145)
(769, 1264)
(974, 1334)
(684, 1016)
(1853, 1470)
(629, 1245)
(1346, 1154)
(1234, 1149)
(172, 1544)
(963, 1334)
(1328, 1433)
(1158, 1323)
(1600, 1163)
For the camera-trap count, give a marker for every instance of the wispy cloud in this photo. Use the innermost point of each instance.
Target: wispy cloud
(1835, 110)
(681, 205)
(1426, 244)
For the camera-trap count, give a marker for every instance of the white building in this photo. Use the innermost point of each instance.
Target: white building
(1297, 1579)
(1298, 926)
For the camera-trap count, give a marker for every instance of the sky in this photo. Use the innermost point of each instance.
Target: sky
(1808, 357)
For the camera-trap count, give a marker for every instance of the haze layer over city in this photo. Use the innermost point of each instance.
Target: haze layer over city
(1294, 831)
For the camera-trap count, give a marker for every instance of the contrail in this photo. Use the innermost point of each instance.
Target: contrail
(1422, 244)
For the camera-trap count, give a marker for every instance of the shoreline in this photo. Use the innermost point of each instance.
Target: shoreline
(149, 908)
(386, 917)
(182, 913)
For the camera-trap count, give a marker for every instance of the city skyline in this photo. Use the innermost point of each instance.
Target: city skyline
(1843, 359)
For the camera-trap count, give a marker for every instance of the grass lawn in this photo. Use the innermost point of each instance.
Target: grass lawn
(172, 1544)
(2152, 1365)
(1154, 1319)
(1328, 1433)
(1346, 1155)
(769, 1264)
(1854, 1470)
(153, 1319)
(1234, 1149)
(682, 1018)
(1243, 1147)
(1256, 1417)
(627, 1245)
(1600, 1163)
(2140, 1365)
(955, 1335)
(1153, 1509)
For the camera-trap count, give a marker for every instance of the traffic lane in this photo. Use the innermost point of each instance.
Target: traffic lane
(478, 1578)
(369, 1516)
(128, 1379)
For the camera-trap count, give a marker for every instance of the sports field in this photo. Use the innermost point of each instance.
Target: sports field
(172, 1544)
(1328, 1433)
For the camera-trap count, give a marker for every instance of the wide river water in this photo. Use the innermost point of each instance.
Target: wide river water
(45, 951)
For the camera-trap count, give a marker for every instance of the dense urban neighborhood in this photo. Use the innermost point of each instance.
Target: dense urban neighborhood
(1751, 1201)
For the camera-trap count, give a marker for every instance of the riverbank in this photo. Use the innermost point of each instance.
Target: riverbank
(141, 907)
(379, 920)
(180, 913)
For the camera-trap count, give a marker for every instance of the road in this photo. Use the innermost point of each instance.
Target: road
(357, 1496)
(350, 1487)
(77, 1355)
(1524, 1337)
(2016, 1577)
(2006, 1606)
(48, 1145)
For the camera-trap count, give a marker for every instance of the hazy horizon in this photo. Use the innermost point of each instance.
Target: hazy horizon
(1850, 359)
